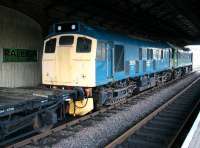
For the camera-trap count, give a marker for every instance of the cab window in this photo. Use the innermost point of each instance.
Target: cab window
(66, 40)
(140, 53)
(119, 58)
(50, 46)
(151, 53)
(148, 54)
(161, 56)
(101, 50)
(83, 45)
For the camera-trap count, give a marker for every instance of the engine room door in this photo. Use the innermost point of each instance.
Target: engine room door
(109, 60)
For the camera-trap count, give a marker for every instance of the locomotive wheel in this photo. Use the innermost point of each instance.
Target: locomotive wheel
(44, 121)
(39, 125)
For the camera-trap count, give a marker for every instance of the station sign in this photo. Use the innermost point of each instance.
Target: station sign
(19, 55)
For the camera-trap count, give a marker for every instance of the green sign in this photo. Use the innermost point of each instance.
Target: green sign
(19, 55)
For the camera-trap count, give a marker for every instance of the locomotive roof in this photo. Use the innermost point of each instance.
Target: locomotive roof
(102, 34)
(186, 50)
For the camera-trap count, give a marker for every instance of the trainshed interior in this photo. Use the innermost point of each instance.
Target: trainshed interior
(24, 25)
(173, 20)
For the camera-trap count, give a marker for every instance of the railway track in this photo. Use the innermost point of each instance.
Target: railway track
(34, 137)
(162, 127)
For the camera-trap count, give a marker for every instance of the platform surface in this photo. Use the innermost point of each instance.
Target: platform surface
(193, 138)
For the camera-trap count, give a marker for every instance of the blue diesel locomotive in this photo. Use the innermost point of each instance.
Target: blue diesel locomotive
(106, 67)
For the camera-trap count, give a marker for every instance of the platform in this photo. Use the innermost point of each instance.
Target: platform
(193, 138)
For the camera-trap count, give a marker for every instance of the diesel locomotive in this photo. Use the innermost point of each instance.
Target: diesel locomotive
(105, 67)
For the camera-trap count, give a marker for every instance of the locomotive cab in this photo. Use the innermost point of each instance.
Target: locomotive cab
(69, 60)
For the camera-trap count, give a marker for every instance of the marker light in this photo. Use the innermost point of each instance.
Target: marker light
(73, 27)
(59, 28)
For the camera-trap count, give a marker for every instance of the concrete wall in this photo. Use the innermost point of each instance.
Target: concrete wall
(19, 31)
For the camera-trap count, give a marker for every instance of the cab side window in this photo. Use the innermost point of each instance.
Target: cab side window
(140, 53)
(101, 50)
(149, 54)
(161, 56)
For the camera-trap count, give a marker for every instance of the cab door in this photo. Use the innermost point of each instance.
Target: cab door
(118, 62)
(49, 62)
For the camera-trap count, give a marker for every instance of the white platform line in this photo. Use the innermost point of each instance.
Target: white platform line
(190, 135)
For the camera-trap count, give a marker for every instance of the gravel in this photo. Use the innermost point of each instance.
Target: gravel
(97, 133)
